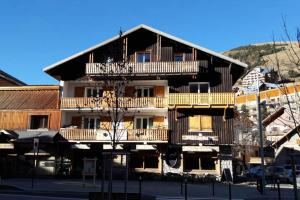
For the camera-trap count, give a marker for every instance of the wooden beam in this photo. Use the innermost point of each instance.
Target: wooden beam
(158, 47)
(125, 48)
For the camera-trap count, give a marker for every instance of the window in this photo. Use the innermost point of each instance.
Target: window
(200, 123)
(178, 57)
(144, 161)
(199, 161)
(39, 122)
(91, 123)
(199, 87)
(143, 123)
(93, 92)
(144, 92)
(143, 57)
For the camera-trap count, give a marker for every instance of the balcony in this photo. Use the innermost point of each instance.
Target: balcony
(147, 68)
(124, 102)
(129, 135)
(195, 100)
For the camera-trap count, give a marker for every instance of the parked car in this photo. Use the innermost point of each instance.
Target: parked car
(277, 172)
(290, 176)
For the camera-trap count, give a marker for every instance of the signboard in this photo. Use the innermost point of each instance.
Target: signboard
(6, 146)
(199, 137)
(200, 148)
(89, 166)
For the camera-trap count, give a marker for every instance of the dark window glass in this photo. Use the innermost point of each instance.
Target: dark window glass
(139, 92)
(146, 92)
(194, 88)
(178, 58)
(147, 57)
(138, 123)
(151, 93)
(190, 162)
(86, 123)
(145, 123)
(38, 121)
(150, 122)
(92, 123)
(204, 88)
(136, 160)
(89, 92)
(208, 163)
(143, 57)
(151, 161)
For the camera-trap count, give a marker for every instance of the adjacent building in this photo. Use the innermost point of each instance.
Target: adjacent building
(28, 112)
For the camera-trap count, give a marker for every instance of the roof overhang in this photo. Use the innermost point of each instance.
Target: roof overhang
(142, 26)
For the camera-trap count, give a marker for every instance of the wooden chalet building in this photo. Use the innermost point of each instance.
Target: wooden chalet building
(28, 112)
(183, 94)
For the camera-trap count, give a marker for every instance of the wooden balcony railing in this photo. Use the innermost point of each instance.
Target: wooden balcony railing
(78, 134)
(194, 99)
(148, 134)
(146, 68)
(128, 102)
(122, 135)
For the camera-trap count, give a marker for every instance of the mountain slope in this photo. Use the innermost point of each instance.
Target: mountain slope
(281, 56)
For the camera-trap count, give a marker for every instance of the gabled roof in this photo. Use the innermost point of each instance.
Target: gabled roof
(154, 31)
(10, 78)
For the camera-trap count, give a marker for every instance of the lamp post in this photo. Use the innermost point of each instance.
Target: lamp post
(35, 154)
(261, 141)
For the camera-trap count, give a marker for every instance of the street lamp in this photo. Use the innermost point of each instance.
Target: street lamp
(261, 141)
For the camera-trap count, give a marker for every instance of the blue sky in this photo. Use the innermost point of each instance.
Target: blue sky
(37, 33)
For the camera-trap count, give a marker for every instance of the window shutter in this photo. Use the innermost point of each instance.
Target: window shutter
(128, 121)
(129, 91)
(76, 121)
(194, 123)
(159, 91)
(158, 121)
(79, 92)
(206, 123)
(105, 123)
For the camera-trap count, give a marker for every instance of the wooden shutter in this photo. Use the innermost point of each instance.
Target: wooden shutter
(129, 91)
(206, 123)
(158, 121)
(105, 123)
(200, 123)
(79, 92)
(194, 123)
(76, 121)
(159, 91)
(128, 122)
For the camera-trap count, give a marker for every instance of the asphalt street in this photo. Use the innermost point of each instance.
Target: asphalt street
(29, 197)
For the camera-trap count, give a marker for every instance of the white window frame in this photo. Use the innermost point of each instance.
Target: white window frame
(142, 118)
(92, 89)
(200, 83)
(143, 52)
(89, 119)
(143, 88)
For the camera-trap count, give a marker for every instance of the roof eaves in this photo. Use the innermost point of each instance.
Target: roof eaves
(155, 31)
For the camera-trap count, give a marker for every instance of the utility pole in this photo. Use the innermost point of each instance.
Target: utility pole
(261, 141)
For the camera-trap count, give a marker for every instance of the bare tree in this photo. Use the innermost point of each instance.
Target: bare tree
(113, 76)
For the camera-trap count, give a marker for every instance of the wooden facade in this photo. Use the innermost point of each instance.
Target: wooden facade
(20, 104)
(185, 83)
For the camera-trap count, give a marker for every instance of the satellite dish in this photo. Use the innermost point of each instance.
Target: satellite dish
(172, 159)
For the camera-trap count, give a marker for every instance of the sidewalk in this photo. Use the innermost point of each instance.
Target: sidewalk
(157, 188)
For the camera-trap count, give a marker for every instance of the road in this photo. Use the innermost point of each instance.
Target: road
(29, 197)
